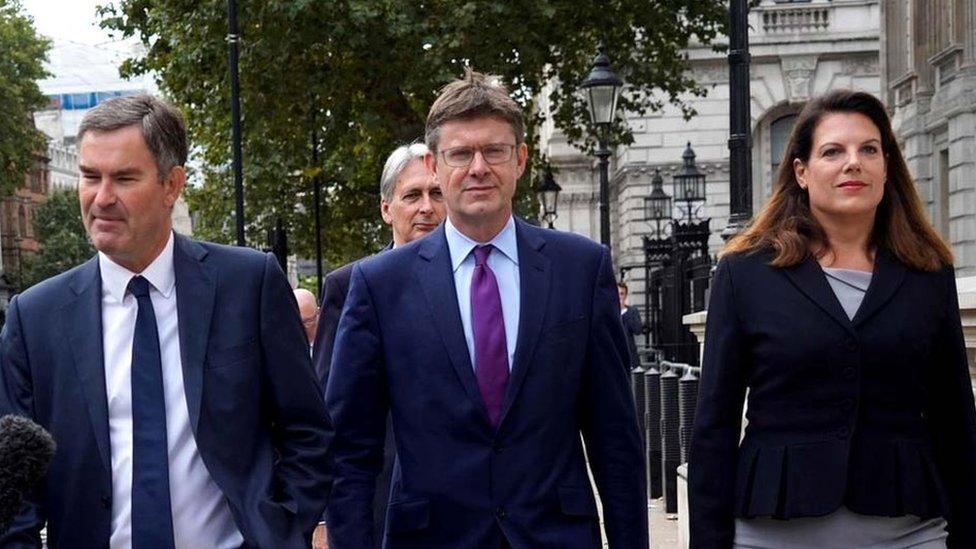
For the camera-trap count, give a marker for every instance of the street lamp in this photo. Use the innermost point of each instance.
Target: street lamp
(547, 191)
(689, 183)
(676, 260)
(657, 206)
(602, 88)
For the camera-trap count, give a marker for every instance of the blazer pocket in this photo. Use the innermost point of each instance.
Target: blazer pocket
(408, 516)
(577, 502)
(565, 329)
(232, 355)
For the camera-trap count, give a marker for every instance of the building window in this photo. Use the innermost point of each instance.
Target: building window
(22, 221)
(779, 135)
(942, 194)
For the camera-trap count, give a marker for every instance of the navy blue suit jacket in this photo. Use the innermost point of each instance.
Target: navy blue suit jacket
(254, 405)
(459, 482)
(874, 413)
(334, 291)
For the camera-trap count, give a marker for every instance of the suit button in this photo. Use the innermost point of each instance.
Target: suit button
(500, 512)
(847, 404)
(850, 372)
(107, 502)
(850, 344)
(843, 432)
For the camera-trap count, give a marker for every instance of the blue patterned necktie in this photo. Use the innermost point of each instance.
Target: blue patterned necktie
(152, 518)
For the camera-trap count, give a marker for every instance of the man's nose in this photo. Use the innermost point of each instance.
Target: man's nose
(105, 195)
(426, 204)
(479, 166)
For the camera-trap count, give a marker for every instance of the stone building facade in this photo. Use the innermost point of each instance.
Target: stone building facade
(929, 82)
(798, 50)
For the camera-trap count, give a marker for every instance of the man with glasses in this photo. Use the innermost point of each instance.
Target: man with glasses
(494, 345)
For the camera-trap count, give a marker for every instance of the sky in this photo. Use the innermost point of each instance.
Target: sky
(73, 20)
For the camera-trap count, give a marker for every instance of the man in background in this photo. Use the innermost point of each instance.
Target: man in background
(308, 310)
(412, 204)
(632, 323)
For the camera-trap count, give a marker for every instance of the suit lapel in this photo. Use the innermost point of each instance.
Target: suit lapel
(195, 295)
(534, 273)
(887, 278)
(435, 276)
(809, 278)
(82, 318)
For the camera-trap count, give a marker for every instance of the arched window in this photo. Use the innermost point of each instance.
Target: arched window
(779, 134)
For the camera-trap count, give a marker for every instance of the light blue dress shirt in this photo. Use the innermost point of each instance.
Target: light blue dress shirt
(503, 261)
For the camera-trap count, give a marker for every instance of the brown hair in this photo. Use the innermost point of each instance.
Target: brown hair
(473, 96)
(786, 224)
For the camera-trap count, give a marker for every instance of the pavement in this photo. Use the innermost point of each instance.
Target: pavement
(663, 527)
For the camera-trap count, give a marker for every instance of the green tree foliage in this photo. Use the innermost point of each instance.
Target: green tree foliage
(22, 55)
(363, 74)
(64, 243)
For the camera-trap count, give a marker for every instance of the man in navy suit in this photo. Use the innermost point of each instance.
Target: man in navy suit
(412, 204)
(493, 345)
(173, 374)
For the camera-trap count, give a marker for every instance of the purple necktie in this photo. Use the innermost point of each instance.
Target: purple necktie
(488, 326)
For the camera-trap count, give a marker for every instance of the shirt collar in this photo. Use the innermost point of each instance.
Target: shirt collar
(159, 273)
(460, 245)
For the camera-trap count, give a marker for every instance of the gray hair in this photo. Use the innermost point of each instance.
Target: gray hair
(162, 124)
(395, 164)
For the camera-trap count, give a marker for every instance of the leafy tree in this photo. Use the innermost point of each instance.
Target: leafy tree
(362, 74)
(64, 243)
(22, 55)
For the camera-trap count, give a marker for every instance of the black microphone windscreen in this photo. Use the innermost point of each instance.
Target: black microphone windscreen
(26, 450)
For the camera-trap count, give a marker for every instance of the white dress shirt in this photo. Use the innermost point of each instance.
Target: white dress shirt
(503, 261)
(201, 516)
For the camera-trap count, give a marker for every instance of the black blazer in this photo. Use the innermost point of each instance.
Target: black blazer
(632, 327)
(875, 413)
(334, 290)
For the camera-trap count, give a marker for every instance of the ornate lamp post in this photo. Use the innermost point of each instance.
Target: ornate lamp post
(675, 258)
(547, 191)
(689, 183)
(657, 249)
(657, 206)
(602, 88)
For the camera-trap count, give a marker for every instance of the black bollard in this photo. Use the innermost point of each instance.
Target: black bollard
(687, 403)
(652, 421)
(670, 440)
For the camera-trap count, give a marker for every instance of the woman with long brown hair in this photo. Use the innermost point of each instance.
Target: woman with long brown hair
(837, 310)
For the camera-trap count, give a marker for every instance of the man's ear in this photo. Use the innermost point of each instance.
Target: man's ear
(523, 155)
(430, 162)
(174, 184)
(385, 211)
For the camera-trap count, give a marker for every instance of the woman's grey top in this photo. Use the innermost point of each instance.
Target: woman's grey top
(849, 286)
(842, 528)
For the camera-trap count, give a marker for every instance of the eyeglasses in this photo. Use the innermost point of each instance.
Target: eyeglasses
(495, 153)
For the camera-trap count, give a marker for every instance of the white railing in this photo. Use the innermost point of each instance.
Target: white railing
(795, 19)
